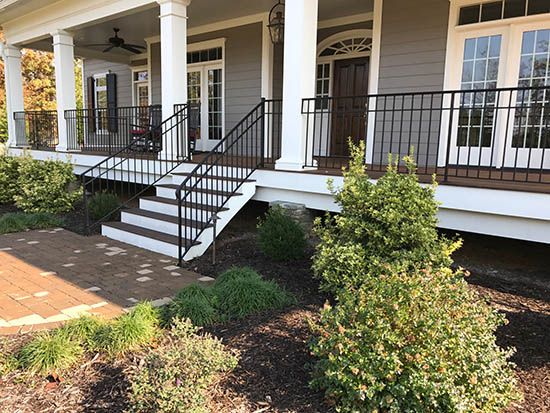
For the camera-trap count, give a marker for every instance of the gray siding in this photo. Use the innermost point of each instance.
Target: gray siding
(156, 94)
(413, 44)
(124, 78)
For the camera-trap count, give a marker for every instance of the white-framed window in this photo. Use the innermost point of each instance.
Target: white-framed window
(100, 101)
(140, 86)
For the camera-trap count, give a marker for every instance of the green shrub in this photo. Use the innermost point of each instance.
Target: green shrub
(176, 376)
(3, 125)
(390, 222)
(84, 329)
(280, 237)
(49, 352)
(417, 342)
(103, 205)
(235, 273)
(19, 221)
(196, 303)
(240, 296)
(46, 186)
(9, 167)
(129, 331)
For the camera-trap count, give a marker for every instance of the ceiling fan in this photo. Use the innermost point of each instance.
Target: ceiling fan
(116, 41)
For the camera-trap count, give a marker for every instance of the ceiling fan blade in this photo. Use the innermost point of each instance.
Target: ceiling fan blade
(96, 45)
(135, 46)
(130, 49)
(108, 49)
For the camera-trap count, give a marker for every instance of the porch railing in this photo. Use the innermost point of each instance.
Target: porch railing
(108, 130)
(486, 134)
(36, 129)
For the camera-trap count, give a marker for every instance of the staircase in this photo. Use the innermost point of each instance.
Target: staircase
(154, 225)
(190, 207)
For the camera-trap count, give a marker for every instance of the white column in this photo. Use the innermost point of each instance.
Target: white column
(63, 50)
(299, 71)
(173, 51)
(14, 88)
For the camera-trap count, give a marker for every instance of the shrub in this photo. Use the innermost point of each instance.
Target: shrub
(103, 205)
(175, 376)
(8, 178)
(129, 331)
(46, 186)
(236, 273)
(84, 329)
(196, 303)
(245, 294)
(390, 222)
(417, 342)
(18, 221)
(49, 352)
(280, 237)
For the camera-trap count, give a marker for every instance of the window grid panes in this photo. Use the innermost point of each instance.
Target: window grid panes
(101, 102)
(207, 55)
(503, 9)
(215, 107)
(532, 120)
(322, 85)
(477, 109)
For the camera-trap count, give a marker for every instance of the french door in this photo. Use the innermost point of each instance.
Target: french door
(205, 87)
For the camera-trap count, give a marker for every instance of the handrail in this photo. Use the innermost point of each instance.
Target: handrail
(148, 158)
(234, 158)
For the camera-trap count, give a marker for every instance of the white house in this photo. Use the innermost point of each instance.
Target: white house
(216, 102)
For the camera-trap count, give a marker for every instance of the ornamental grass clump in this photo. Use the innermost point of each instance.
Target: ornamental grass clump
(103, 205)
(196, 303)
(175, 377)
(20, 221)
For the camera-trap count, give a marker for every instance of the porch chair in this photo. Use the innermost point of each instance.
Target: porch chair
(147, 136)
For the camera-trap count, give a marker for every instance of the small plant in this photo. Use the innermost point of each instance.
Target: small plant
(9, 167)
(46, 186)
(20, 221)
(84, 329)
(129, 331)
(196, 303)
(176, 376)
(50, 352)
(103, 205)
(417, 342)
(247, 293)
(8, 362)
(280, 237)
(236, 273)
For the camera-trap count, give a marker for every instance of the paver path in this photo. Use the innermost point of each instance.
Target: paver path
(50, 276)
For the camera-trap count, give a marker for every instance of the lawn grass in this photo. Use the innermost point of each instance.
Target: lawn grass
(20, 221)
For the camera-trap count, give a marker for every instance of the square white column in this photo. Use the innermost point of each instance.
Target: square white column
(14, 89)
(299, 70)
(173, 55)
(63, 50)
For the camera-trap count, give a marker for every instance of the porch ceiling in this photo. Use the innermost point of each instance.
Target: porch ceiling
(135, 27)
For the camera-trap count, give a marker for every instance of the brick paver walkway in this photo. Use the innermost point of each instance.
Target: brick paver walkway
(50, 276)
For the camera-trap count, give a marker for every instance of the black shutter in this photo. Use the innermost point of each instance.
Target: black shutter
(91, 103)
(112, 123)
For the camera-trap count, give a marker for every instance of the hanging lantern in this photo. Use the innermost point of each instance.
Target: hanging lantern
(277, 23)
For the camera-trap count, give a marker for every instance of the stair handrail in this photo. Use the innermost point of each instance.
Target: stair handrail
(254, 121)
(156, 141)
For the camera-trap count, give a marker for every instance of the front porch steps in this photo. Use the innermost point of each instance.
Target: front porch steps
(154, 225)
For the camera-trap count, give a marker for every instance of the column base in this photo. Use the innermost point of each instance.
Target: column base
(292, 165)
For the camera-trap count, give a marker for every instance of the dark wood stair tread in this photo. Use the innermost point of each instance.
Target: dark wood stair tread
(172, 201)
(164, 217)
(202, 190)
(144, 232)
(215, 177)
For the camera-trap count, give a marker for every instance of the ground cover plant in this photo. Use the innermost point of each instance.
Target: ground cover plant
(280, 237)
(236, 293)
(406, 333)
(20, 221)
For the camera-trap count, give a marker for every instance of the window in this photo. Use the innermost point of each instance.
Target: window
(140, 80)
(101, 101)
(323, 85)
(479, 71)
(503, 9)
(208, 55)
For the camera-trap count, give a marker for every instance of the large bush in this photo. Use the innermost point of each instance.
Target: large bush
(9, 167)
(175, 376)
(281, 238)
(390, 222)
(46, 186)
(415, 342)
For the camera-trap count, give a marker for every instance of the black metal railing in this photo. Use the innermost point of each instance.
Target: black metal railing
(108, 130)
(495, 134)
(139, 165)
(222, 171)
(36, 129)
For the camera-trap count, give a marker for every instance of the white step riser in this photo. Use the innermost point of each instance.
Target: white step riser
(157, 225)
(178, 179)
(140, 241)
(200, 197)
(228, 171)
(169, 209)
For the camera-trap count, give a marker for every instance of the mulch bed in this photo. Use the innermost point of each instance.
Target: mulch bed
(275, 364)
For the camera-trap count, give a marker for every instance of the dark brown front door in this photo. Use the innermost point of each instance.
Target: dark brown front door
(350, 86)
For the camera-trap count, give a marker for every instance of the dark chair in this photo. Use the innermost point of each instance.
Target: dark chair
(147, 136)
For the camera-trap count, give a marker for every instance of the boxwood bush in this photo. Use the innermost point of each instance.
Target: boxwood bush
(9, 167)
(281, 238)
